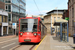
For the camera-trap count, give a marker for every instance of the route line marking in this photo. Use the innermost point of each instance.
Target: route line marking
(8, 45)
(39, 43)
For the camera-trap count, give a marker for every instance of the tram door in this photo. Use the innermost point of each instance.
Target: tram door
(0, 30)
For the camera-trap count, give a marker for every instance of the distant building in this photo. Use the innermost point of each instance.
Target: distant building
(56, 15)
(41, 16)
(65, 14)
(16, 9)
(71, 8)
(3, 19)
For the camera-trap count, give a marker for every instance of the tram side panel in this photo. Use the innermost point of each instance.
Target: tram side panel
(43, 31)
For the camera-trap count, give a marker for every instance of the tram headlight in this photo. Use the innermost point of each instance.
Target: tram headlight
(35, 34)
(21, 33)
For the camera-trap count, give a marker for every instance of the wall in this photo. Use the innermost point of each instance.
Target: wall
(2, 5)
(71, 5)
(47, 21)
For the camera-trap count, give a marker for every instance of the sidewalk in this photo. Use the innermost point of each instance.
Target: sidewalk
(45, 45)
(10, 36)
(56, 44)
(51, 42)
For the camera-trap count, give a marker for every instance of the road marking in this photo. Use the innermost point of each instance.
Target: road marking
(8, 45)
(9, 40)
(39, 43)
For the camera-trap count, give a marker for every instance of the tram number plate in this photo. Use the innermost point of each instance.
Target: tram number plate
(27, 40)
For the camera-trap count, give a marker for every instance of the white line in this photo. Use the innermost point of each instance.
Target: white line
(8, 40)
(8, 45)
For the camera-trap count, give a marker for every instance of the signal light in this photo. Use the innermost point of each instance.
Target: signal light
(21, 33)
(35, 34)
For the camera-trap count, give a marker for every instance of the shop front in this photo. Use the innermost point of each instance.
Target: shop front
(3, 23)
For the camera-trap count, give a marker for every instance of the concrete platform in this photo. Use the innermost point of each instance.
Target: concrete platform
(51, 42)
(45, 44)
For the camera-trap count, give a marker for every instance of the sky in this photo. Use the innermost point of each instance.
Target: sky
(44, 6)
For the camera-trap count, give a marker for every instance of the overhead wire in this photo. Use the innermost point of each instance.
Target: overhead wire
(37, 6)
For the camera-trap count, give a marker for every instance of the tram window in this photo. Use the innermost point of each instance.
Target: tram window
(27, 26)
(35, 26)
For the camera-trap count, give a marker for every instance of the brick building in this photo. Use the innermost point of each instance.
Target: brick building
(2, 5)
(71, 8)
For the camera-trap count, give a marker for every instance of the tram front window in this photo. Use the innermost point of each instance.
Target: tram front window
(28, 25)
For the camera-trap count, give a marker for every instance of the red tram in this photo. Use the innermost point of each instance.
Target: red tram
(31, 30)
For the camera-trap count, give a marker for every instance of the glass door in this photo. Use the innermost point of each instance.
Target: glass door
(5, 30)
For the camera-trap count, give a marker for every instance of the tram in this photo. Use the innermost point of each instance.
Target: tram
(31, 30)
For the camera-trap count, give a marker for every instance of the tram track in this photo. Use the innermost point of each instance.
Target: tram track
(32, 47)
(27, 46)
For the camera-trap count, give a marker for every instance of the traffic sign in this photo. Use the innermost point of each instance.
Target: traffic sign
(14, 25)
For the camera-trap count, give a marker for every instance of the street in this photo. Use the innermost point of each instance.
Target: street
(12, 43)
(8, 43)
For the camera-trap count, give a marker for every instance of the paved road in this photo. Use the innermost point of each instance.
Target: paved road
(9, 43)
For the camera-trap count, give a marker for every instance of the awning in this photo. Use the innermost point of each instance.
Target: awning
(57, 23)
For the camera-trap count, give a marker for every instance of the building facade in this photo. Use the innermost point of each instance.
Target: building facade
(52, 16)
(3, 23)
(3, 19)
(65, 14)
(71, 7)
(2, 5)
(16, 9)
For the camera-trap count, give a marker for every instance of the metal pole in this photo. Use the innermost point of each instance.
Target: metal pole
(56, 31)
(56, 26)
(51, 25)
(67, 33)
(61, 31)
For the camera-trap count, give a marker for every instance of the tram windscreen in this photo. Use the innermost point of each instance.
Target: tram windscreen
(28, 25)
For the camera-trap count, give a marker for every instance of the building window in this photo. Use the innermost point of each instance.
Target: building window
(4, 18)
(0, 18)
(72, 12)
(7, 1)
(4, 30)
(54, 19)
(14, 18)
(72, 23)
(9, 17)
(8, 8)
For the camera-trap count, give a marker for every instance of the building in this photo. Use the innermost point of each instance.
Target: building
(16, 9)
(71, 7)
(66, 15)
(51, 17)
(2, 5)
(41, 16)
(3, 19)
